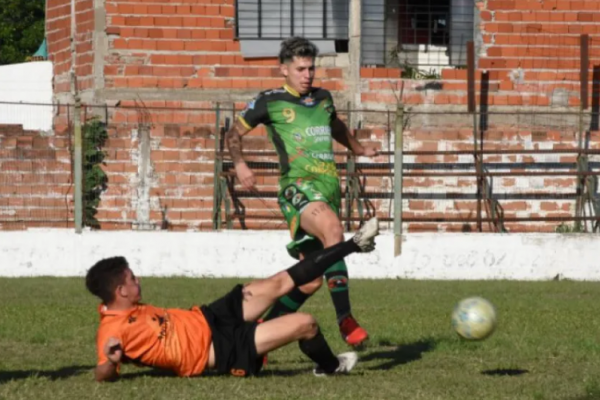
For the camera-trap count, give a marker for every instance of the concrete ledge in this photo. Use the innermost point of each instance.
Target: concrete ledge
(259, 254)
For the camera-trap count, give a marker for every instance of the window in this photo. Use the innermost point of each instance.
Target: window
(421, 34)
(262, 24)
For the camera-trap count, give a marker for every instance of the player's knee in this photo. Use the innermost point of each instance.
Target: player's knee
(307, 325)
(278, 282)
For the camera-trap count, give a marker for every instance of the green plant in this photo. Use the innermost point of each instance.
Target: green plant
(410, 71)
(94, 179)
(577, 227)
(21, 29)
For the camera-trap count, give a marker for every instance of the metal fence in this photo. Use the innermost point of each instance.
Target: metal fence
(164, 165)
(155, 167)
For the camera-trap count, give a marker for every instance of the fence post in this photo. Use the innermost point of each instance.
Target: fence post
(349, 179)
(78, 165)
(398, 156)
(583, 105)
(216, 214)
(472, 108)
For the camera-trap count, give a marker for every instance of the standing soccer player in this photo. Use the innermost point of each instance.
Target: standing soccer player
(301, 122)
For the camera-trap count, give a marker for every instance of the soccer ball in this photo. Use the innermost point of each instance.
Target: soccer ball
(474, 318)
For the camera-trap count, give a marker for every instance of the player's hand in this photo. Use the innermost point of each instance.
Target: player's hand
(245, 176)
(369, 151)
(113, 350)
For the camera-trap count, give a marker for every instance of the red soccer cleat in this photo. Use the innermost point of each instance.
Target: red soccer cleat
(351, 332)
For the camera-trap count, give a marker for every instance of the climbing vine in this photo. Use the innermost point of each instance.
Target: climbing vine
(94, 136)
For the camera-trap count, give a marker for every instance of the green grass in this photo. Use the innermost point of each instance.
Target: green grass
(547, 345)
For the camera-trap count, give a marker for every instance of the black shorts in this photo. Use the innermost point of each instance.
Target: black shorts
(233, 338)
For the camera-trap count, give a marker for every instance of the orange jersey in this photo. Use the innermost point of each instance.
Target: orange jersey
(174, 339)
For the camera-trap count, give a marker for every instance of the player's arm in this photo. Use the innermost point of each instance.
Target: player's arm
(341, 133)
(107, 369)
(233, 139)
(254, 114)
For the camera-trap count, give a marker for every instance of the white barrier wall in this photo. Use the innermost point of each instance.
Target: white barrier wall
(258, 254)
(26, 83)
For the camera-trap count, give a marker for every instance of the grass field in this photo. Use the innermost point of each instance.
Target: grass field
(547, 345)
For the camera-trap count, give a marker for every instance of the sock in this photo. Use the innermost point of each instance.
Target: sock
(287, 304)
(315, 265)
(337, 282)
(319, 351)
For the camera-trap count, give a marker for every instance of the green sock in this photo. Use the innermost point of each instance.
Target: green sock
(337, 282)
(287, 304)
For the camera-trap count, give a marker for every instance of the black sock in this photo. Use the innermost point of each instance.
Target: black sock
(315, 265)
(337, 282)
(287, 304)
(319, 351)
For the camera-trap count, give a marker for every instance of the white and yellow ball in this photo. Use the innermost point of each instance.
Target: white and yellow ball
(474, 318)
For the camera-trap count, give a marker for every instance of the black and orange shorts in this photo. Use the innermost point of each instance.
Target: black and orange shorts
(233, 338)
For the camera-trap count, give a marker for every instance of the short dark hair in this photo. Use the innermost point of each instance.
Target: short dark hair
(104, 277)
(297, 47)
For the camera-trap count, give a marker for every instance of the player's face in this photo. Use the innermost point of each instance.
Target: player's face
(299, 73)
(131, 288)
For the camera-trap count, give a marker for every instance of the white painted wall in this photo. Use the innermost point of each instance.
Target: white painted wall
(26, 83)
(259, 254)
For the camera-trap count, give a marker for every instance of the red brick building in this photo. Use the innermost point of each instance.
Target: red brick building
(165, 58)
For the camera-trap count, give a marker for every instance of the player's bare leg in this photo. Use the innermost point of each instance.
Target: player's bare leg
(303, 328)
(278, 332)
(261, 294)
(320, 221)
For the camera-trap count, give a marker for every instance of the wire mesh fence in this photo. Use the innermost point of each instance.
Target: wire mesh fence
(154, 165)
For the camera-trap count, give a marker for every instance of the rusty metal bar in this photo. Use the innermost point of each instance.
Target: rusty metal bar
(349, 170)
(445, 174)
(218, 166)
(447, 152)
(472, 108)
(471, 76)
(223, 109)
(583, 104)
(432, 196)
(438, 220)
(584, 73)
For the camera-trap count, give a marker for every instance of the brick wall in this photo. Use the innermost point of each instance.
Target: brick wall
(179, 55)
(530, 49)
(58, 33)
(35, 180)
(169, 151)
(180, 45)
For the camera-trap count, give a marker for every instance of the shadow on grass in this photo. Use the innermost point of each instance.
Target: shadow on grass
(505, 372)
(265, 373)
(401, 354)
(152, 373)
(62, 373)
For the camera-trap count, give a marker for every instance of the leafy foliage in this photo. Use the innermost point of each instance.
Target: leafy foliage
(21, 29)
(410, 71)
(577, 227)
(94, 179)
